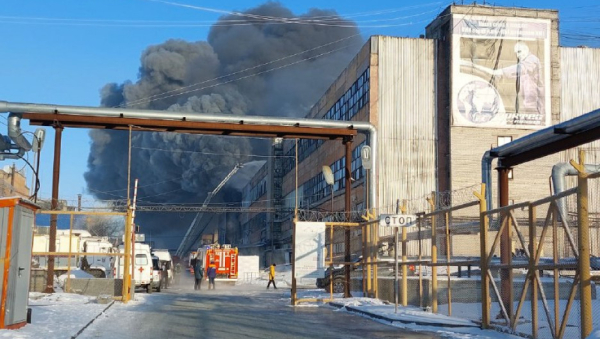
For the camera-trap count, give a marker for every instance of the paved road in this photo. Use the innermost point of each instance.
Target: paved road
(247, 311)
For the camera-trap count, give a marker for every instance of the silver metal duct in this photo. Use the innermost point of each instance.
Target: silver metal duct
(363, 127)
(559, 171)
(486, 177)
(15, 133)
(15, 139)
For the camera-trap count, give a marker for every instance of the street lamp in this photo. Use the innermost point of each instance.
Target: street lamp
(328, 174)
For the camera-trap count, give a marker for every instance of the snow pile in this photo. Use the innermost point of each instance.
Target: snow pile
(74, 274)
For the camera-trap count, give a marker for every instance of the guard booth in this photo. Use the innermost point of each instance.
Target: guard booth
(17, 217)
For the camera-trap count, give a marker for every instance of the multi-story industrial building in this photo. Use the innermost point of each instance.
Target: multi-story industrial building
(481, 77)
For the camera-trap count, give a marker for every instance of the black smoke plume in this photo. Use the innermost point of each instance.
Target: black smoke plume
(242, 69)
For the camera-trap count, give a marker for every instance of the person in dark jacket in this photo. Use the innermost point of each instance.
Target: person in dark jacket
(212, 274)
(198, 274)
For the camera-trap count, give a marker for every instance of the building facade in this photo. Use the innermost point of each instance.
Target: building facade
(482, 77)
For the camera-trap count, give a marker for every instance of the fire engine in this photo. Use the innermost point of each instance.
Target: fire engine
(225, 259)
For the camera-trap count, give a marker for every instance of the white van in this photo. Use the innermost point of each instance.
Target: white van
(99, 266)
(165, 259)
(143, 266)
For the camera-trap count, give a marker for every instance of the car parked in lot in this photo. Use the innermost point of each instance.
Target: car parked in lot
(338, 280)
(336, 272)
(385, 269)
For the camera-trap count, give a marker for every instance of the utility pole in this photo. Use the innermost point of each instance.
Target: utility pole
(53, 218)
(12, 179)
(348, 202)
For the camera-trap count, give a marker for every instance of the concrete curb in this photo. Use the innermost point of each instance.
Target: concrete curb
(392, 320)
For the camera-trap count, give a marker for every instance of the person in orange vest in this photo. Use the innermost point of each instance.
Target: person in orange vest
(272, 276)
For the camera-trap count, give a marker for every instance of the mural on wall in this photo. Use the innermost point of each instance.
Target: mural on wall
(500, 72)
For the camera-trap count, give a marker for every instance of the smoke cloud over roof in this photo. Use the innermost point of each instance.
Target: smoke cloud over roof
(250, 67)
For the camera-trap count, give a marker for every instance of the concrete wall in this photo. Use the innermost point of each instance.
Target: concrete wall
(530, 180)
(463, 290)
(37, 280)
(96, 287)
(91, 286)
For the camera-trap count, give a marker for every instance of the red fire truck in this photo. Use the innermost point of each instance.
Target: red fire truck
(225, 259)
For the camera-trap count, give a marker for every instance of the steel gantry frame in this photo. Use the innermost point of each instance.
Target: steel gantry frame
(60, 116)
(569, 134)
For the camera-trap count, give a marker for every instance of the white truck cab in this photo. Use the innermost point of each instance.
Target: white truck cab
(142, 275)
(157, 281)
(99, 266)
(165, 259)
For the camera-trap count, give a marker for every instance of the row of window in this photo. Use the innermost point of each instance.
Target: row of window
(316, 188)
(355, 98)
(356, 166)
(255, 193)
(256, 223)
(345, 108)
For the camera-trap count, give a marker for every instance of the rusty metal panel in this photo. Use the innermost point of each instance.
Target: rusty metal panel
(407, 138)
(193, 127)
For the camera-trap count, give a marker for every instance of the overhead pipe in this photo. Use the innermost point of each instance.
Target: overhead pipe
(586, 121)
(362, 127)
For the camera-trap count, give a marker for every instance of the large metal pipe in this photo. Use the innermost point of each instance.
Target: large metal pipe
(506, 275)
(559, 171)
(363, 127)
(347, 207)
(15, 133)
(486, 177)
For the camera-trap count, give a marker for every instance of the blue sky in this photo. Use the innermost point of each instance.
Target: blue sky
(63, 52)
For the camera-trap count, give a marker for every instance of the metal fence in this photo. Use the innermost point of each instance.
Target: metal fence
(518, 268)
(528, 268)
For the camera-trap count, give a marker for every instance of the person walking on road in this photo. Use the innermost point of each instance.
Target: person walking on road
(198, 274)
(272, 276)
(212, 274)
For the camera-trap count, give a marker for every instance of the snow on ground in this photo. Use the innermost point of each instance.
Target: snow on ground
(381, 309)
(61, 315)
(56, 316)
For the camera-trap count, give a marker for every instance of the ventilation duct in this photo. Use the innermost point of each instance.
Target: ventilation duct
(15, 133)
